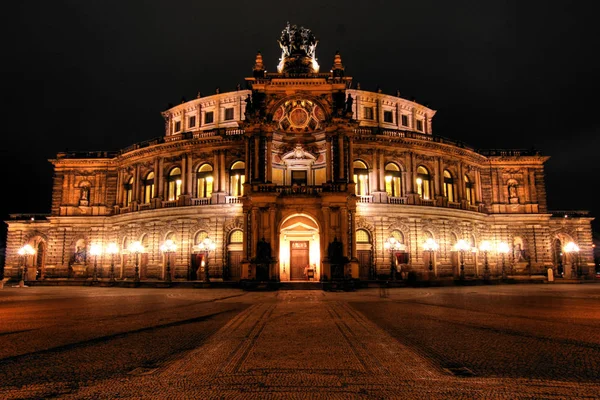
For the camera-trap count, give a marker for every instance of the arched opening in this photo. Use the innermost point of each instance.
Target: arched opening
(299, 249)
(393, 180)
(423, 183)
(173, 184)
(204, 181)
(361, 178)
(237, 178)
(449, 189)
(364, 253)
(234, 255)
(148, 188)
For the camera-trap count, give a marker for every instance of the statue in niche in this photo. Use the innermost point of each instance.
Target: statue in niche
(84, 196)
(512, 190)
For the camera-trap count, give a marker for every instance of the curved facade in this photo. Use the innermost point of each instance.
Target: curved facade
(300, 176)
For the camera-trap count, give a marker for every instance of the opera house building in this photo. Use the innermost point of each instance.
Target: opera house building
(300, 175)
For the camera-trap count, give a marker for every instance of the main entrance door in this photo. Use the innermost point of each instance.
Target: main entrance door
(298, 259)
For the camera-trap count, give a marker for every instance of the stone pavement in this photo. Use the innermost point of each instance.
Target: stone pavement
(317, 345)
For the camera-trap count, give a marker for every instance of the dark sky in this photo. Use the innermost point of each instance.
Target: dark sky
(95, 75)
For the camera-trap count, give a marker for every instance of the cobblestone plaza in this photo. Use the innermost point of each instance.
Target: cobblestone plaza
(526, 341)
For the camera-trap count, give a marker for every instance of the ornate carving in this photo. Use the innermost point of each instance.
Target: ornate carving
(298, 46)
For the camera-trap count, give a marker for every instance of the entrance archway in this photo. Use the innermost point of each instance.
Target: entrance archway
(299, 249)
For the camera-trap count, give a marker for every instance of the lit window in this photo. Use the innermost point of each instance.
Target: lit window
(236, 236)
(361, 178)
(237, 178)
(423, 182)
(469, 190)
(362, 236)
(449, 186)
(204, 181)
(128, 192)
(393, 180)
(148, 187)
(174, 184)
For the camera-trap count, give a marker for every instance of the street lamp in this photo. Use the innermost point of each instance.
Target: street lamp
(136, 248)
(462, 245)
(112, 249)
(168, 247)
(572, 249)
(485, 246)
(206, 246)
(95, 250)
(24, 252)
(431, 246)
(503, 249)
(392, 244)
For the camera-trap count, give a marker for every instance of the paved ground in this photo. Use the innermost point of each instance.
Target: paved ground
(538, 341)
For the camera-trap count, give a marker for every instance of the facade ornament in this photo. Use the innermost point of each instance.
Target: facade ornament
(298, 45)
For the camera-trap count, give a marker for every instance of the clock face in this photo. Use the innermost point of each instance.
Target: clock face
(299, 115)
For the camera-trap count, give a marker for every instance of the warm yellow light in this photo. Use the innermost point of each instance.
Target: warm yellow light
(462, 245)
(136, 247)
(26, 250)
(168, 246)
(388, 178)
(95, 249)
(502, 247)
(419, 181)
(430, 245)
(485, 245)
(209, 179)
(112, 248)
(571, 248)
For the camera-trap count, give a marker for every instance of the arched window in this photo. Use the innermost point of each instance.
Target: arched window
(469, 191)
(174, 184)
(423, 182)
(237, 178)
(204, 181)
(128, 187)
(362, 236)
(148, 187)
(361, 178)
(449, 190)
(393, 180)
(237, 236)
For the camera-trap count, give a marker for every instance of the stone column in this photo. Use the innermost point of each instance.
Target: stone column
(328, 160)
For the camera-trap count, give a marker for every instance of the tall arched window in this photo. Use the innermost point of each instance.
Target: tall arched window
(204, 181)
(423, 182)
(237, 178)
(174, 184)
(469, 191)
(449, 190)
(148, 187)
(128, 187)
(361, 178)
(393, 180)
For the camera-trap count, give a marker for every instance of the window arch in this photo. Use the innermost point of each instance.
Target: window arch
(361, 178)
(204, 180)
(174, 184)
(449, 188)
(469, 190)
(237, 177)
(148, 187)
(423, 182)
(362, 236)
(199, 237)
(128, 187)
(236, 236)
(393, 180)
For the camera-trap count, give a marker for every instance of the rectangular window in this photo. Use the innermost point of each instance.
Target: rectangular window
(192, 122)
(208, 117)
(405, 120)
(419, 125)
(177, 126)
(368, 112)
(228, 114)
(388, 117)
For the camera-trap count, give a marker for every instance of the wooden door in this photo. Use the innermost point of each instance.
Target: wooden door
(298, 259)
(364, 263)
(235, 259)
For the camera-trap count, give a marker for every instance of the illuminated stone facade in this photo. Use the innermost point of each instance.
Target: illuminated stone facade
(301, 173)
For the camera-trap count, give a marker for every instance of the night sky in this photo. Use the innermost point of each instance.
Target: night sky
(95, 75)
